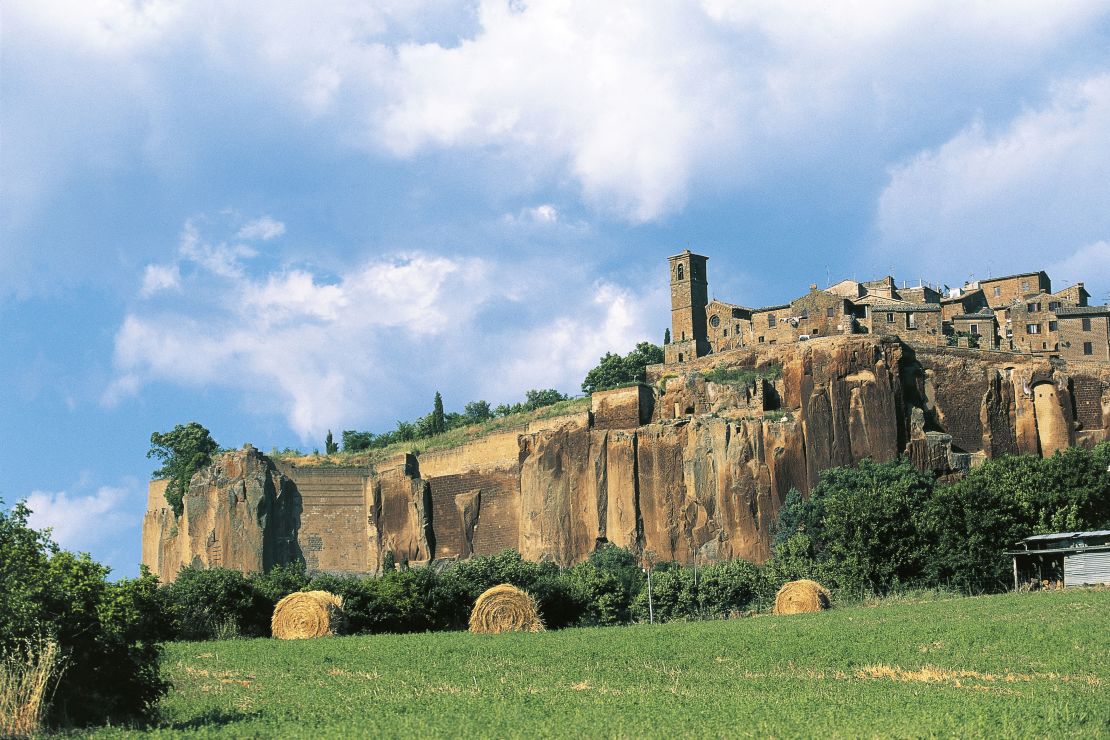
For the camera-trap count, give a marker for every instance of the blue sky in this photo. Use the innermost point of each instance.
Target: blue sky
(283, 218)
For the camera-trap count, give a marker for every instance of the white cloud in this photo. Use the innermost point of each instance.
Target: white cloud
(1025, 196)
(324, 352)
(222, 259)
(264, 228)
(638, 101)
(1089, 264)
(613, 319)
(635, 105)
(82, 522)
(157, 278)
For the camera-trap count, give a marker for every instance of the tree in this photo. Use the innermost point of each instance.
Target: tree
(666, 336)
(439, 425)
(535, 399)
(476, 412)
(355, 441)
(614, 370)
(183, 451)
(330, 447)
(873, 522)
(609, 373)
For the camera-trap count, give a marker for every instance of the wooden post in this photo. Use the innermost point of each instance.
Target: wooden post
(1015, 573)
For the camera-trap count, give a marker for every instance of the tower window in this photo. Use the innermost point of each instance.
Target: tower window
(680, 357)
(681, 274)
(1088, 348)
(830, 312)
(770, 321)
(714, 321)
(1086, 324)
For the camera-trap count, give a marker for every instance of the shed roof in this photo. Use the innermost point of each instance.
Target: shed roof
(1067, 535)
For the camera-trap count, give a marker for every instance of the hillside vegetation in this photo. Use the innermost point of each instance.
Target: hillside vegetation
(447, 440)
(1014, 665)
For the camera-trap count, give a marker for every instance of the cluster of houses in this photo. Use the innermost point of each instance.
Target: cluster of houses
(1016, 313)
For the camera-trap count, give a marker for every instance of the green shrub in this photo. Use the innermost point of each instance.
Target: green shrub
(108, 633)
(730, 587)
(722, 375)
(217, 603)
(606, 585)
(280, 581)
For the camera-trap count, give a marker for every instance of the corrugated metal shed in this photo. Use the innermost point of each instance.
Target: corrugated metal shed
(1075, 558)
(1087, 568)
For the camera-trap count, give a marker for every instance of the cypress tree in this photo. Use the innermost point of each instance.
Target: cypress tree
(439, 424)
(666, 336)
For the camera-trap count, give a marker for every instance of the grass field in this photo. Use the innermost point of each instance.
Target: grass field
(1016, 665)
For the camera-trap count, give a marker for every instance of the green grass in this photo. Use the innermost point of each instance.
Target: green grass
(1016, 665)
(449, 439)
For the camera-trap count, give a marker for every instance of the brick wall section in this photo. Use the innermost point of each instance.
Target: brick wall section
(493, 524)
(497, 527)
(333, 534)
(1087, 392)
(622, 408)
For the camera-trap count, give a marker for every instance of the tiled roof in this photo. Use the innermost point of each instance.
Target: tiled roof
(1083, 311)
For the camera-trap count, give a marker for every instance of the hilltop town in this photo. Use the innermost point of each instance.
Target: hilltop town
(697, 460)
(1016, 313)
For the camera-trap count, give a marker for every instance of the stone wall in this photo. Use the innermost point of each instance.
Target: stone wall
(705, 477)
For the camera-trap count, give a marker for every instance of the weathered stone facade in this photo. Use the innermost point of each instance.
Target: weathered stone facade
(1022, 308)
(681, 466)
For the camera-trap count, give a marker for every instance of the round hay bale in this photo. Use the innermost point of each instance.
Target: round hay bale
(505, 608)
(801, 597)
(308, 614)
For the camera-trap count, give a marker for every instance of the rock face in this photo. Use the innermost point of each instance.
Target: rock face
(683, 467)
(240, 512)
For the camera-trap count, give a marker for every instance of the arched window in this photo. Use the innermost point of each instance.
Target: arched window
(680, 272)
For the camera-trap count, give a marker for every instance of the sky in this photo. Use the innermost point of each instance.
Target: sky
(280, 218)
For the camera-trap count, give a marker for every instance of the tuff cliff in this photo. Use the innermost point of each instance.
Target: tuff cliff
(681, 466)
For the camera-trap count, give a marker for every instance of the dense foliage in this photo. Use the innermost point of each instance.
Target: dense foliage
(108, 632)
(614, 371)
(183, 451)
(878, 526)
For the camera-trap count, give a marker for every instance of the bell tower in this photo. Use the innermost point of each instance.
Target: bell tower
(689, 296)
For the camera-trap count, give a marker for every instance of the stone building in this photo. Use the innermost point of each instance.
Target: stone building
(910, 321)
(689, 297)
(963, 302)
(975, 330)
(1033, 318)
(1016, 313)
(1084, 333)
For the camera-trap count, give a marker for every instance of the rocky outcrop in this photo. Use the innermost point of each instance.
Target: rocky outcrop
(685, 467)
(239, 512)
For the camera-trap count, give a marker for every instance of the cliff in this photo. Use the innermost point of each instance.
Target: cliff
(683, 467)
